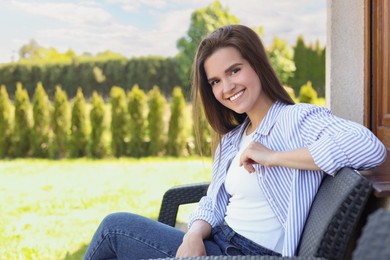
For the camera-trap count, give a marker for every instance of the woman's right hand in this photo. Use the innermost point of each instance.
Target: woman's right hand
(192, 245)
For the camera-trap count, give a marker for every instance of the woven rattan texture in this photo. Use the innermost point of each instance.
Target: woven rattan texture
(249, 258)
(334, 214)
(374, 243)
(177, 196)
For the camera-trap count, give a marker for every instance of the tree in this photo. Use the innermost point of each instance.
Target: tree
(156, 129)
(29, 50)
(41, 123)
(281, 57)
(136, 108)
(98, 144)
(21, 135)
(5, 123)
(177, 127)
(119, 121)
(79, 127)
(60, 122)
(310, 66)
(203, 21)
(202, 132)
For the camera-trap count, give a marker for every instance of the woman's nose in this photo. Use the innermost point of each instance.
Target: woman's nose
(228, 85)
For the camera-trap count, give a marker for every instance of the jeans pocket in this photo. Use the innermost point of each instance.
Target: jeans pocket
(223, 241)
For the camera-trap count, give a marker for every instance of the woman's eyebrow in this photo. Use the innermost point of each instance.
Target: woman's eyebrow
(231, 67)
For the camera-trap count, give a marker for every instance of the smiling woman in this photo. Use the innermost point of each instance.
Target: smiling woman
(271, 159)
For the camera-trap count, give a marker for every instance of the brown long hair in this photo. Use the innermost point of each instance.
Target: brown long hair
(248, 43)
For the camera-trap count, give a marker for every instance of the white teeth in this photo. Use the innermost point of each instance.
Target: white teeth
(236, 96)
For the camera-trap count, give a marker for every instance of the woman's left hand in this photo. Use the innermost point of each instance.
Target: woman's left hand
(256, 153)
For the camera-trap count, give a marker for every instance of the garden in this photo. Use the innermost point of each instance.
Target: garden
(51, 208)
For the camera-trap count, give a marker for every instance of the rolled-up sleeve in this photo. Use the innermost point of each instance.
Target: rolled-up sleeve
(335, 142)
(203, 212)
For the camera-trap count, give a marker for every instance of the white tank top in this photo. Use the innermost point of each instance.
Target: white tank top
(248, 212)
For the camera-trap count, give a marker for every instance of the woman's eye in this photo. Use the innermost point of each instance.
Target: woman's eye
(235, 71)
(214, 82)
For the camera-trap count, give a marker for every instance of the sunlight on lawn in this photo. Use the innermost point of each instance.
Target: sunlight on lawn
(52, 208)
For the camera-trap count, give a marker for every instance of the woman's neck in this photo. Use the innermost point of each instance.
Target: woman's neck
(257, 116)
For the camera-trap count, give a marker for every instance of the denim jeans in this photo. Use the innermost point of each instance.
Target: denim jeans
(130, 236)
(232, 243)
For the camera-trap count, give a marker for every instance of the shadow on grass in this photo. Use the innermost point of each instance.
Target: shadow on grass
(78, 255)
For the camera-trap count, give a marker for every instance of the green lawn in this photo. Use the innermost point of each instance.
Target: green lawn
(50, 209)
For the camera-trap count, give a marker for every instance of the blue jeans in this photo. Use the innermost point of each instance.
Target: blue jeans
(130, 236)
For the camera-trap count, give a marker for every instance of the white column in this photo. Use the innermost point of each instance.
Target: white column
(345, 58)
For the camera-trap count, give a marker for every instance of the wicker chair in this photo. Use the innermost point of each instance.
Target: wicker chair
(375, 239)
(330, 230)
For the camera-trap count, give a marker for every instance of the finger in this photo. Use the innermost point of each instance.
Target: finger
(243, 159)
(249, 167)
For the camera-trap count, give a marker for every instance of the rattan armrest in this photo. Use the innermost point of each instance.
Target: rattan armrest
(177, 196)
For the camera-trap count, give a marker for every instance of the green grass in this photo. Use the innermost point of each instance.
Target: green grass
(50, 209)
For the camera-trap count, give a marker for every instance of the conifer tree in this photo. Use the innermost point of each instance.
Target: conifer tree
(41, 123)
(22, 128)
(302, 62)
(119, 121)
(60, 122)
(98, 144)
(177, 127)
(79, 127)
(156, 129)
(5, 123)
(310, 66)
(136, 108)
(203, 136)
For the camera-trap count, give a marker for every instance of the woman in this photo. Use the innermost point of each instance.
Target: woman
(271, 158)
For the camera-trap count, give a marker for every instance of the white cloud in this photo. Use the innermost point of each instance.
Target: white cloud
(135, 5)
(90, 26)
(285, 19)
(86, 14)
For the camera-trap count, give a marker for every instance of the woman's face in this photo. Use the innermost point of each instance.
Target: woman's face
(234, 82)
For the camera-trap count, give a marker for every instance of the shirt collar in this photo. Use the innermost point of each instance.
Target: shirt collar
(270, 119)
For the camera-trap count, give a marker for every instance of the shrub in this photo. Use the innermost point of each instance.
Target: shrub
(203, 132)
(156, 129)
(119, 121)
(41, 123)
(60, 123)
(136, 108)
(177, 129)
(307, 94)
(98, 145)
(5, 123)
(21, 135)
(79, 130)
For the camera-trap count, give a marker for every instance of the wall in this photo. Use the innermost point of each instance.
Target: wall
(345, 58)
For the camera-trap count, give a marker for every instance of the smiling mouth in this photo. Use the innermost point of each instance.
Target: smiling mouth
(234, 97)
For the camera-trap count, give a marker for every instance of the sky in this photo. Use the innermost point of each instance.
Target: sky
(144, 27)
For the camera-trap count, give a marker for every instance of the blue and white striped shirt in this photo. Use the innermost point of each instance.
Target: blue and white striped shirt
(333, 143)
